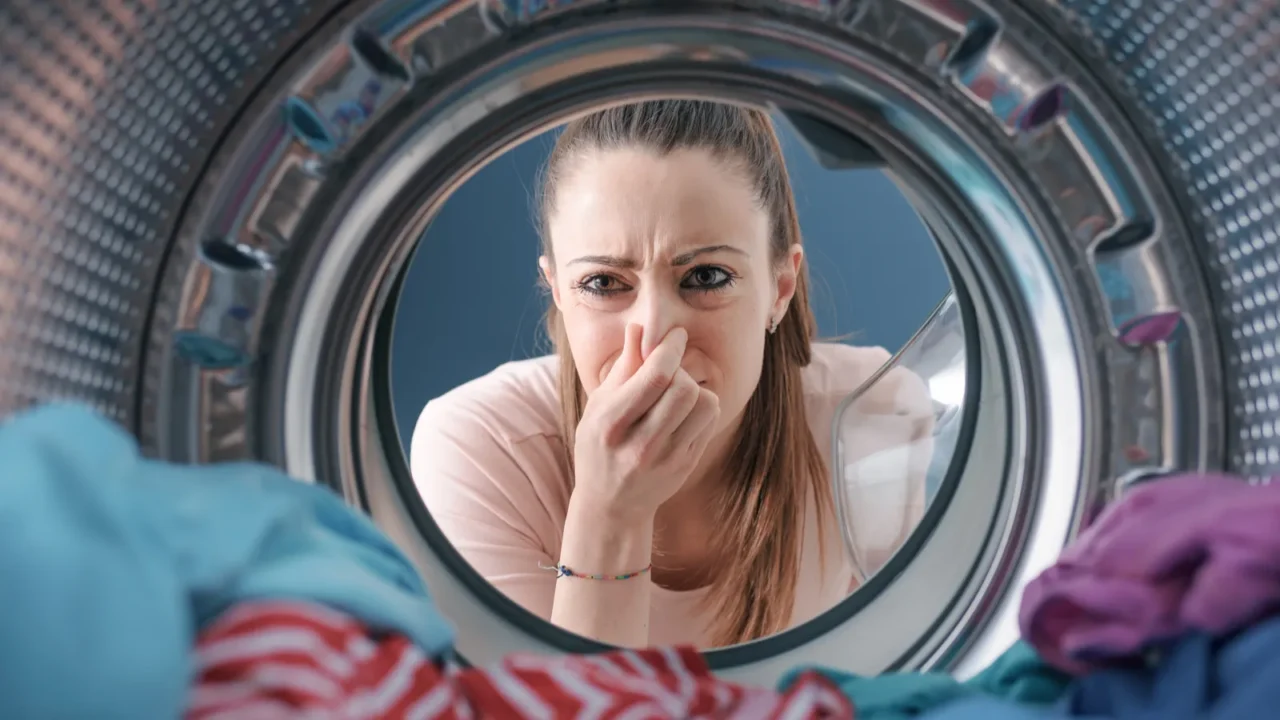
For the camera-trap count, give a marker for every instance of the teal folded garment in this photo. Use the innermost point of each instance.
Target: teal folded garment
(1017, 675)
(110, 563)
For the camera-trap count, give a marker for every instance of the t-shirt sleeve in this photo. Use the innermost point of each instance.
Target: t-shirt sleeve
(483, 494)
(884, 446)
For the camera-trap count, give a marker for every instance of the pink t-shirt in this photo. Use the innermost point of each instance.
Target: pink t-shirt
(488, 459)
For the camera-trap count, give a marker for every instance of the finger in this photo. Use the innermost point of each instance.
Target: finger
(669, 411)
(699, 425)
(647, 384)
(629, 360)
(639, 392)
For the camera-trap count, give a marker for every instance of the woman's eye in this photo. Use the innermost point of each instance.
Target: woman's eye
(707, 278)
(601, 285)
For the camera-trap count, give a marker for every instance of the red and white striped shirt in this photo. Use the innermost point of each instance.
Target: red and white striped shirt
(291, 660)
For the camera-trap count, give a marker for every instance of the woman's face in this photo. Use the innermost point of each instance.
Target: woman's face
(664, 242)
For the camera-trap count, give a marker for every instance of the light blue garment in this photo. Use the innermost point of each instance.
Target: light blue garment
(982, 707)
(110, 562)
(1017, 675)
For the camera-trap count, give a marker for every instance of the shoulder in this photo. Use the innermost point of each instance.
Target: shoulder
(836, 370)
(839, 368)
(491, 451)
(503, 424)
(513, 403)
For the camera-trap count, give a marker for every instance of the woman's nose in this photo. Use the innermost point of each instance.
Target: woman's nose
(657, 313)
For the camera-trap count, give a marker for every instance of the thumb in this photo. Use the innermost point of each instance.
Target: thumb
(629, 360)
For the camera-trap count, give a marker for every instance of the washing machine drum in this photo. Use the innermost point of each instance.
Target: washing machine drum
(205, 206)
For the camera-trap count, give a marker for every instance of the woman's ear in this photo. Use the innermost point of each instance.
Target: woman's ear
(788, 275)
(549, 277)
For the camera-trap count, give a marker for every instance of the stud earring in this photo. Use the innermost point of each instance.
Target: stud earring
(773, 326)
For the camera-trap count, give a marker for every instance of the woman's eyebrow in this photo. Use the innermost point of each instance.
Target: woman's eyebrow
(626, 263)
(606, 260)
(686, 258)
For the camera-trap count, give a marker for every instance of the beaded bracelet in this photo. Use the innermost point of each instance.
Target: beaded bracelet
(564, 571)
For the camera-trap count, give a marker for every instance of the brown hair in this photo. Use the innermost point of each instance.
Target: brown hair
(775, 463)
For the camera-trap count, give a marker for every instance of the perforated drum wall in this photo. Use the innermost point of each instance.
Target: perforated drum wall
(108, 114)
(1208, 77)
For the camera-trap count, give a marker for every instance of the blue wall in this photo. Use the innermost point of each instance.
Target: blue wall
(471, 300)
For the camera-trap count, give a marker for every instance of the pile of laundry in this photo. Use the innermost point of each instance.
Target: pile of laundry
(131, 588)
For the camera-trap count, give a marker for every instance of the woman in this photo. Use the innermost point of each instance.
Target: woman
(662, 479)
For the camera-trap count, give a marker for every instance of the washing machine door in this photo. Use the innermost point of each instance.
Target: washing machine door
(205, 208)
(895, 439)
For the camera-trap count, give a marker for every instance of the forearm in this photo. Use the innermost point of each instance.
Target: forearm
(610, 611)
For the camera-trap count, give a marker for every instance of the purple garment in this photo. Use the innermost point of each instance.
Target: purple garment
(1187, 553)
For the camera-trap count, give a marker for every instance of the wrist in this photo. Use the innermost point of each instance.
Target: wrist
(604, 512)
(595, 543)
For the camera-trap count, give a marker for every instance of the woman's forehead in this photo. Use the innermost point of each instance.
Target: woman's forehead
(636, 203)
